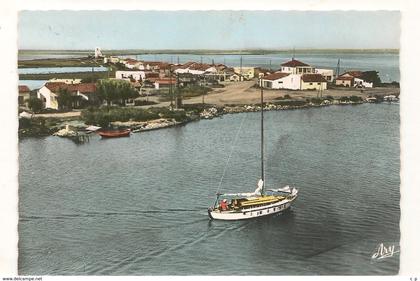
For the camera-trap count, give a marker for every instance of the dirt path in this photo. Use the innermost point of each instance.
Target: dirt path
(245, 93)
(59, 115)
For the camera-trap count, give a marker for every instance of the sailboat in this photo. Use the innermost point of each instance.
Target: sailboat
(261, 202)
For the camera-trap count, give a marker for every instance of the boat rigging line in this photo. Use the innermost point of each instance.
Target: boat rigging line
(231, 152)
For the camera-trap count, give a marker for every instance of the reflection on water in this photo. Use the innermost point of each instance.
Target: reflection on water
(138, 205)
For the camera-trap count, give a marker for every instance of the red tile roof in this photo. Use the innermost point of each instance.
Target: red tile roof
(23, 89)
(82, 87)
(294, 63)
(199, 66)
(54, 86)
(166, 81)
(313, 78)
(132, 61)
(275, 76)
(157, 63)
(354, 73)
(186, 65)
(151, 75)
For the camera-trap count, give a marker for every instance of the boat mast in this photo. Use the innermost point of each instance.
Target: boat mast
(262, 134)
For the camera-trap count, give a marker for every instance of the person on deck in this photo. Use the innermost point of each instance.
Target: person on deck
(223, 205)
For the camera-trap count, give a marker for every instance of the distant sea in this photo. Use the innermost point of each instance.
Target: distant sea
(386, 62)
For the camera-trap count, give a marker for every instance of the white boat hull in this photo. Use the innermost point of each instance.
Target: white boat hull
(251, 213)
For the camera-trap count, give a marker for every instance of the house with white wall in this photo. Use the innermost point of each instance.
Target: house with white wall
(246, 72)
(128, 74)
(66, 80)
(353, 78)
(328, 74)
(281, 80)
(111, 59)
(313, 81)
(49, 92)
(196, 68)
(296, 67)
(165, 83)
(133, 64)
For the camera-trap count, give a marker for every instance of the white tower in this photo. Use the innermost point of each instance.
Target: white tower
(98, 53)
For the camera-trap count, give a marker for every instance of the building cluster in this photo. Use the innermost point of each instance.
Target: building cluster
(356, 79)
(296, 75)
(292, 75)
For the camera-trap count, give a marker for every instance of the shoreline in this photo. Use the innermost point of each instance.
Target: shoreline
(209, 112)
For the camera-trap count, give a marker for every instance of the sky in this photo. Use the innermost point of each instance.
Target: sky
(208, 29)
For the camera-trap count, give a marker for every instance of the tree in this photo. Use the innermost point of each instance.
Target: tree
(372, 77)
(64, 99)
(126, 92)
(115, 90)
(35, 104)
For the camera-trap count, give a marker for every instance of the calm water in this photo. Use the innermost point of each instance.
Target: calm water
(137, 206)
(33, 84)
(41, 70)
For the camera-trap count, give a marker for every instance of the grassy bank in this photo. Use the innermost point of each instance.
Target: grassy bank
(41, 126)
(104, 116)
(62, 62)
(186, 93)
(93, 76)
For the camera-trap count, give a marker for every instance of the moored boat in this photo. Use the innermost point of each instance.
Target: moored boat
(114, 133)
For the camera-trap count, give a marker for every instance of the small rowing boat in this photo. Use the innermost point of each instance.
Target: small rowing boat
(114, 133)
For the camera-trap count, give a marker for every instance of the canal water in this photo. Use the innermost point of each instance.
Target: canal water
(138, 205)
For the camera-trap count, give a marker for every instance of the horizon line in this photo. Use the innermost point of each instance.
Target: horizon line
(216, 50)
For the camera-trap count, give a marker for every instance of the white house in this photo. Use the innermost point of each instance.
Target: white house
(111, 59)
(353, 78)
(66, 80)
(246, 72)
(196, 68)
(296, 67)
(281, 80)
(360, 83)
(165, 83)
(133, 64)
(136, 75)
(328, 74)
(313, 81)
(49, 92)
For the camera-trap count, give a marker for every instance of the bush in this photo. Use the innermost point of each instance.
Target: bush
(143, 102)
(102, 117)
(316, 100)
(355, 99)
(35, 104)
(291, 103)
